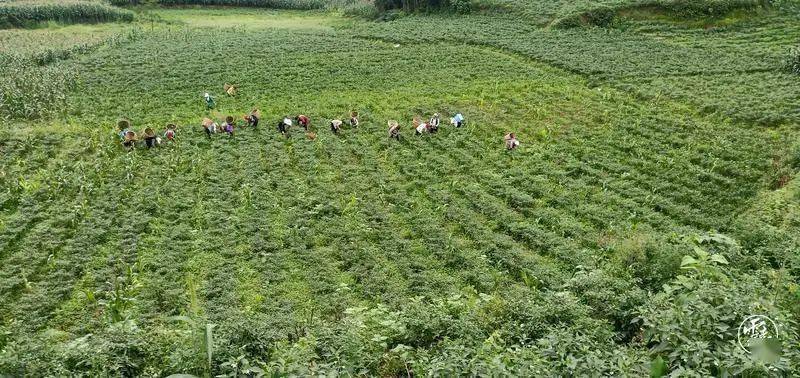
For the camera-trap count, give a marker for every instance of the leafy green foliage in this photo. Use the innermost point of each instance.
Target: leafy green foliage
(705, 8)
(36, 84)
(26, 13)
(793, 61)
(694, 323)
(712, 70)
(601, 16)
(352, 254)
(32, 91)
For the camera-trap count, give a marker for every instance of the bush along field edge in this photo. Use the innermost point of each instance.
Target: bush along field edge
(605, 15)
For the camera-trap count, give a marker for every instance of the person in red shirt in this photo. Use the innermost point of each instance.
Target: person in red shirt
(169, 133)
(303, 121)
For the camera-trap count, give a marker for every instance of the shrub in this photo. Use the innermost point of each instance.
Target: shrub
(692, 324)
(604, 15)
(21, 14)
(706, 8)
(793, 62)
(600, 16)
(460, 6)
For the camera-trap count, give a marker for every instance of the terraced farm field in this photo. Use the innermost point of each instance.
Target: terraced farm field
(652, 205)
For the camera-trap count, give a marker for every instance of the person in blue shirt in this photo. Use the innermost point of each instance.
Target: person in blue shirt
(458, 120)
(122, 128)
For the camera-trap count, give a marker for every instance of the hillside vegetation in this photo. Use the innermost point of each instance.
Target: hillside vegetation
(652, 206)
(30, 12)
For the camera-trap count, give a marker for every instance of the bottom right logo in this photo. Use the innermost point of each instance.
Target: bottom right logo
(757, 333)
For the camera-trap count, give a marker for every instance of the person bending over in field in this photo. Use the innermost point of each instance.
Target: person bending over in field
(422, 128)
(252, 119)
(230, 89)
(419, 126)
(394, 130)
(511, 141)
(210, 104)
(457, 120)
(228, 126)
(433, 123)
(283, 126)
(303, 121)
(353, 119)
(336, 124)
(123, 126)
(209, 126)
(130, 140)
(169, 133)
(150, 138)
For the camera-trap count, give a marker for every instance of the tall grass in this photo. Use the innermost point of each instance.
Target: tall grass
(27, 13)
(29, 90)
(34, 85)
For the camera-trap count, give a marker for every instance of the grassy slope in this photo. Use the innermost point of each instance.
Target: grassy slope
(259, 233)
(741, 80)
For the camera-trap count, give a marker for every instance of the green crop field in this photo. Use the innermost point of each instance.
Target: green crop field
(653, 204)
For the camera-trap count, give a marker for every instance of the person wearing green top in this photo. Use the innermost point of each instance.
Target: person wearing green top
(210, 104)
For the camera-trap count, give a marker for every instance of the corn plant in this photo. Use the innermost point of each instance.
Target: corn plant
(26, 13)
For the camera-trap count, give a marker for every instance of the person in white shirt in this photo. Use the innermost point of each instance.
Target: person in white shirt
(421, 128)
(336, 124)
(511, 141)
(283, 126)
(433, 123)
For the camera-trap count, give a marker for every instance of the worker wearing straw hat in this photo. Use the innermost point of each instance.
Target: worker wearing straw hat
(457, 120)
(419, 126)
(130, 140)
(169, 133)
(511, 141)
(433, 123)
(150, 138)
(303, 120)
(284, 125)
(253, 117)
(354, 119)
(209, 126)
(230, 89)
(336, 124)
(228, 126)
(394, 129)
(210, 104)
(122, 128)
